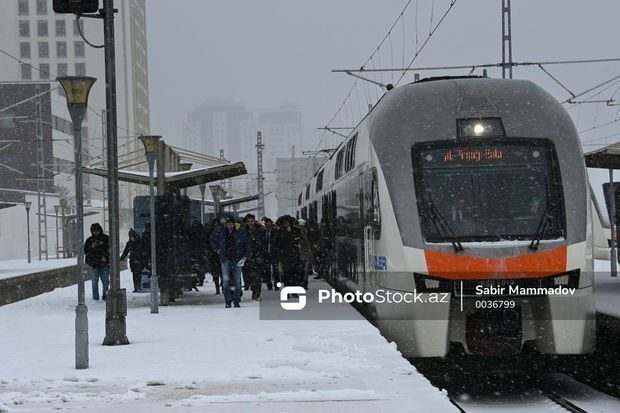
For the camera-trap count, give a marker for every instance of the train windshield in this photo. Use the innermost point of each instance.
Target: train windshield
(488, 190)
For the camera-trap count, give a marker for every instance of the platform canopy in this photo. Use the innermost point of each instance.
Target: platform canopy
(231, 201)
(179, 180)
(11, 198)
(607, 157)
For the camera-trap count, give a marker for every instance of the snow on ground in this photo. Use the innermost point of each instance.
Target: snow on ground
(13, 268)
(197, 355)
(606, 289)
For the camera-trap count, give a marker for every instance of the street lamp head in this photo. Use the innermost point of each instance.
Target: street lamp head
(27, 205)
(185, 166)
(150, 143)
(77, 88)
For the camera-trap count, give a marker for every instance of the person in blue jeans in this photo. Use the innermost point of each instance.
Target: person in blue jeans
(234, 248)
(97, 257)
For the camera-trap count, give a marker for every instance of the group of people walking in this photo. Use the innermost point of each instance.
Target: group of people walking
(240, 256)
(280, 253)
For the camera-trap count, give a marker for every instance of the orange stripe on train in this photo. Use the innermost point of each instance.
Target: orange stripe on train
(462, 267)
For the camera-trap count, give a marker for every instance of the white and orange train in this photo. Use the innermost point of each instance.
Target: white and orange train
(473, 194)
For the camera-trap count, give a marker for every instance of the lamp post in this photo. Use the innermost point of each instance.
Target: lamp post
(150, 149)
(76, 90)
(202, 187)
(56, 208)
(27, 205)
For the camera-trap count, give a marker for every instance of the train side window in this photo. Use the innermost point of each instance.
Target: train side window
(350, 155)
(319, 181)
(339, 160)
(315, 211)
(353, 151)
(299, 199)
(347, 158)
(308, 191)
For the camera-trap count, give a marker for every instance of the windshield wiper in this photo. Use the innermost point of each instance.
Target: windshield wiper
(542, 224)
(442, 225)
(541, 229)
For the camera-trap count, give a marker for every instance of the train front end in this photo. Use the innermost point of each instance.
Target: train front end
(493, 213)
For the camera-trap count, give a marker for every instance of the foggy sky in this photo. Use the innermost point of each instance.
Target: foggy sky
(265, 53)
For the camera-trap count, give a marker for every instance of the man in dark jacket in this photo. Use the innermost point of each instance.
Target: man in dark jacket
(234, 248)
(268, 270)
(137, 252)
(253, 269)
(212, 255)
(287, 243)
(97, 252)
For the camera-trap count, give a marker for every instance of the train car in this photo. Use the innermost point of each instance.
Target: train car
(469, 195)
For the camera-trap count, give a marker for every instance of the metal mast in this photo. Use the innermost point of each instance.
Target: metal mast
(104, 186)
(293, 178)
(506, 40)
(260, 178)
(41, 190)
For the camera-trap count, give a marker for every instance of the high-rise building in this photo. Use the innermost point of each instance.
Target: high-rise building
(281, 128)
(218, 125)
(50, 45)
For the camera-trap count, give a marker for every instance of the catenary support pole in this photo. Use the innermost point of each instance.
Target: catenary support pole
(116, 304)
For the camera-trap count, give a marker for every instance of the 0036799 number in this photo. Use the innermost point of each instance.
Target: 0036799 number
(495, 304)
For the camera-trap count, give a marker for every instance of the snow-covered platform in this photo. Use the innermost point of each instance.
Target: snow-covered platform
(197, 355)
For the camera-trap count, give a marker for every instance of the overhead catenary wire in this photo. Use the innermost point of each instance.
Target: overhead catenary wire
(483, 65)
(355, 82)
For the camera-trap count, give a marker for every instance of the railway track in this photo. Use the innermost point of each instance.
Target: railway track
(520, 393)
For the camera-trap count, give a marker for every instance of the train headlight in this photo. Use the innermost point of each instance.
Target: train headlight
(480, 127)
(426, 284)
(561, 280)
(431, 284)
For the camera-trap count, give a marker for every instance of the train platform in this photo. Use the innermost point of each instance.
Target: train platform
(606, 290)
(196, 355)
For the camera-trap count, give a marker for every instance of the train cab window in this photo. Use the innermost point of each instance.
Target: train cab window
(319, 181)
(486, 189)
(339, 164)
(308, 191)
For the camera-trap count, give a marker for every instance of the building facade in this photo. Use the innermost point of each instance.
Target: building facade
(50, 45)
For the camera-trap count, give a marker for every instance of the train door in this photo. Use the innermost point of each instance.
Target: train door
(361, 231)
(371, 222)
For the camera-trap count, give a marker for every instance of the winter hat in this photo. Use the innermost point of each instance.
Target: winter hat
(96, 227)
(133, 234)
